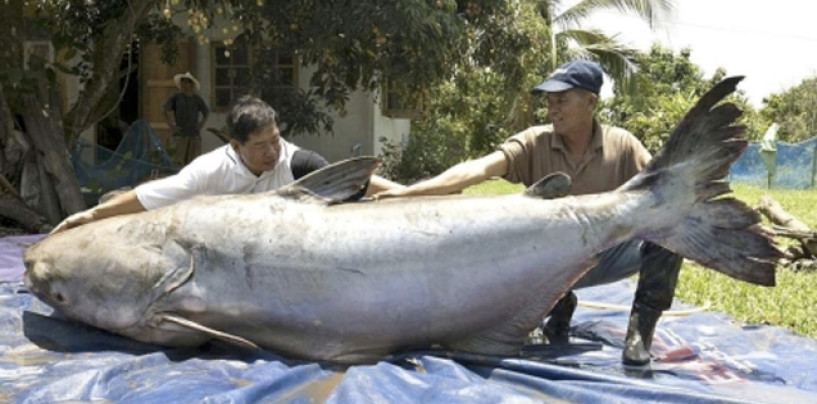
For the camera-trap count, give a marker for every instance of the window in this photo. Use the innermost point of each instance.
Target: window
(231, 78)
(37, 53)
(395, 105)
(233, 68)
(283, 75)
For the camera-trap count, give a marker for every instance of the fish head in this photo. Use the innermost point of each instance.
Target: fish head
(108, 286)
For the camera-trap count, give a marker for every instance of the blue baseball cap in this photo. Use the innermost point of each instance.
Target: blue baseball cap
(584, 74)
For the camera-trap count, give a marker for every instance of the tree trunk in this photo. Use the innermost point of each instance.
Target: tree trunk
(107, 54)
(790, 226)
(11, 34)
(14, 209)
(37, 189)
(11, 59)
(6, 129)
(49, 143)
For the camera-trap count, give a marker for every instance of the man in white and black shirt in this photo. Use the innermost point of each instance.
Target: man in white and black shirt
(256, 160)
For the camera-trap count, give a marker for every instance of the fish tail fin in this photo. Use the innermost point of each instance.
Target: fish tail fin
(687, 175)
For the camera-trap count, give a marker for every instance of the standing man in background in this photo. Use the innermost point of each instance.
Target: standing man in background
(186, 112)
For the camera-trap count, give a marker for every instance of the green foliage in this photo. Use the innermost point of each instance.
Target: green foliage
(160, 30)
(74, 25)
(469, 108)
(299, 111)
(668, 85)
(424, 155)
(571, 39)
(410, 45)
(464, 119)
(487, 99)
(484, 101)
(795, 110)
(357, 45)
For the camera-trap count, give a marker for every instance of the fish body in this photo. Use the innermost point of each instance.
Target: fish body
(298, 272)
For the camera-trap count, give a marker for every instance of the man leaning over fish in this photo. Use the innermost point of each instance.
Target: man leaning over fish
(598, 158)
(256, 160)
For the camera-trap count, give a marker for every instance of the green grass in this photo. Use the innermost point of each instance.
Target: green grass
(494, 186)
(792, 304)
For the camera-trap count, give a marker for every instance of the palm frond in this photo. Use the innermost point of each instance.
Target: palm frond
(618, 60)
(653, 12)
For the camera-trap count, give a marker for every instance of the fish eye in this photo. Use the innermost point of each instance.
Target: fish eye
(59, 297)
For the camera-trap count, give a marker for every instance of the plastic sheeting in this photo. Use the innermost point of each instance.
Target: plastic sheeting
(700, 358)
(794, 165)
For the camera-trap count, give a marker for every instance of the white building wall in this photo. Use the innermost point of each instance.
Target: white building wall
(216, 120)
(356, 133)
(351, 133)
(387, 130)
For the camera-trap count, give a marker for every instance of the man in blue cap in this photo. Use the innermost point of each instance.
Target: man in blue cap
(598, 158)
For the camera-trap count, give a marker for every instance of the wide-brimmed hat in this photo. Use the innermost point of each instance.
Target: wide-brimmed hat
(178, 80)
(584, 74)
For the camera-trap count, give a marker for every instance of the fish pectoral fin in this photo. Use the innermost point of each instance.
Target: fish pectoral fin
(192, 325)
(552, 186)
(182, 258)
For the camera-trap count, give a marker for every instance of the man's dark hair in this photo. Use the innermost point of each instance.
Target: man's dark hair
(249, 115)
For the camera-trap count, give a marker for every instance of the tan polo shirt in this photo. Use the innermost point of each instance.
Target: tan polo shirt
(613, 157)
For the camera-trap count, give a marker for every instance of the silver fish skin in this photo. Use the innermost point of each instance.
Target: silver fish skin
(299, 272)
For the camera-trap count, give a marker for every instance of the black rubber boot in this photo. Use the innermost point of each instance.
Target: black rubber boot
(557, 329)
(640, 331)
(656, 289)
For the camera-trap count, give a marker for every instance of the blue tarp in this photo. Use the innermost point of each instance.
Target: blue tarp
(794, 166)
(702, 358)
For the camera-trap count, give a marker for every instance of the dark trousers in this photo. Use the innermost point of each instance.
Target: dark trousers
(186, 148)
(658, 271)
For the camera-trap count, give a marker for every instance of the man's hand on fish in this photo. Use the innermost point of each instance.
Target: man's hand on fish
(77, 219)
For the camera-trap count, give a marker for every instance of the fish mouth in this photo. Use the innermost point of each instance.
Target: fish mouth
(36, 279)
(47, 285)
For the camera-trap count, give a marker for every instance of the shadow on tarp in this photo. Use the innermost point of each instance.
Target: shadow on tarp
(57, 333)
(701, 358)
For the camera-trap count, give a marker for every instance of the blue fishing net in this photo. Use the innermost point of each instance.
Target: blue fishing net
(139, 157)
(787, 166)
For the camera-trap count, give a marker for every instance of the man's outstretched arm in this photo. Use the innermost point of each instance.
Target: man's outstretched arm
(121, 204)
(456, 178)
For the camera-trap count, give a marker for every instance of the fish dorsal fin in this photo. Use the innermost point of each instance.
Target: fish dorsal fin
(192, 325)
(552, 186)
(336, 182)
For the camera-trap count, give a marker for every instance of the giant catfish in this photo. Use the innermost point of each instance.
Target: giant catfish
(298, 272)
